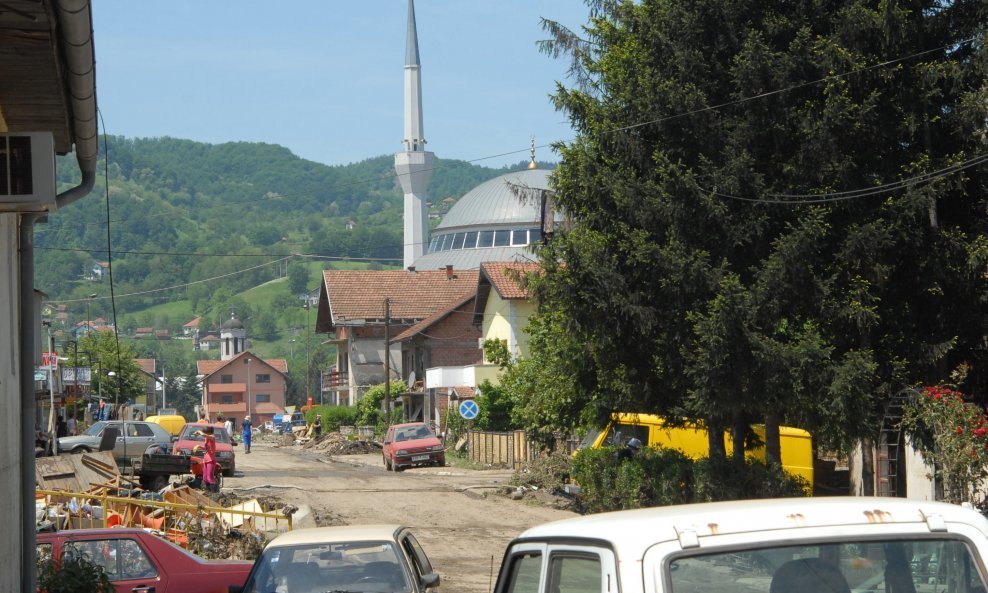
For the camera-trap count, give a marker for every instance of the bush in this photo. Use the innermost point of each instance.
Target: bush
(660, 477)
(333, 417)
(72, 574)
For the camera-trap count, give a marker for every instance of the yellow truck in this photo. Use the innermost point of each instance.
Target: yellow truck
(796, 443)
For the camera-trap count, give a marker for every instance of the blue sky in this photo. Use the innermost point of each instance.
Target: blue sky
(324, 78)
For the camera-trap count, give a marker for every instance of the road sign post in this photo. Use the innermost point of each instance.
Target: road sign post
(469, 409)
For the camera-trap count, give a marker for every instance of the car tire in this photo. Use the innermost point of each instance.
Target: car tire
(387, 465)
(229, 472)
(81, 449)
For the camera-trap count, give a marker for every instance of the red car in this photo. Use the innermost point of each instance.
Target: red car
(411, 444)
(135, 560)
(187, 441)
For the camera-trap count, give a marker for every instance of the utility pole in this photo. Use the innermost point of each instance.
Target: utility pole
(387, 359)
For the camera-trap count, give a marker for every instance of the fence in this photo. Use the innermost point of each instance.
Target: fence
(500, 449)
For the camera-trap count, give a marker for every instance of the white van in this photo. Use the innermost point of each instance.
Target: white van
(797, 545)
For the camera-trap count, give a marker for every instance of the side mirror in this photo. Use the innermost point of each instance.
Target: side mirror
(174, 438)
(429, 580)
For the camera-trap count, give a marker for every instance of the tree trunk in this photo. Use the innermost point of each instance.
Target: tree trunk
(739, 429)
(867, 467)
(715, 438)
(773, 444)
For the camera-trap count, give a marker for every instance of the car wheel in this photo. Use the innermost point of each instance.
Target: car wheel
(82, 449)
(229, 472)
(387, 466)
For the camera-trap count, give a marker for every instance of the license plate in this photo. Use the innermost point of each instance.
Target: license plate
(420, 457)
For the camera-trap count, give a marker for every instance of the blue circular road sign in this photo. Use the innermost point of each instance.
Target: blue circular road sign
(469, 409)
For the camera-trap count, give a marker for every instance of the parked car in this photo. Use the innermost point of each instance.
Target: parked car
(793, 545)
(411, 444)
(368, 559)
(133, 438)
(136, 560)
(187, 441)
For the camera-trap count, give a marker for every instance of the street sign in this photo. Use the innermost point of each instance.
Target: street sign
(469, 409)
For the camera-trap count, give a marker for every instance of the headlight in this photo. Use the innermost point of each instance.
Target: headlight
(402, 451)
(436, 448)
(224, 454)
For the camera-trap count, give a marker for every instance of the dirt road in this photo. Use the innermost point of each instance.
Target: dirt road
(462, 525)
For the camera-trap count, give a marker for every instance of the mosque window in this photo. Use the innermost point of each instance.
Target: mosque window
(502, 238)
(434, 245)
(534, 235)
(458, 240)
(519, 237)
(447, 242)
(471, 241)
(485, 239)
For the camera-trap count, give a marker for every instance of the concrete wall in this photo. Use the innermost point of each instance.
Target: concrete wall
(10, 408)
(506, 320)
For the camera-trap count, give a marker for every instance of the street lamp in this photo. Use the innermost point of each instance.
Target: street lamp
(308, 387)
(247, 362)
(89, 324)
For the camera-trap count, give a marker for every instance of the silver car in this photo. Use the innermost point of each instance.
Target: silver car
(133, 439)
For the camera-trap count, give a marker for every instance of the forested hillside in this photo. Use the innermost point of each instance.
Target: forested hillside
(182, 211)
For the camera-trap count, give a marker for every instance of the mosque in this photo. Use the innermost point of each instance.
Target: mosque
(426, 313)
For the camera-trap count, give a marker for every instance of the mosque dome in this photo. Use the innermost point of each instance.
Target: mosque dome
(499, 220)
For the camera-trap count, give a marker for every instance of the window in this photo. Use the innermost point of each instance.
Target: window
(44, 556)
(502, 238)
(262, 398)
(265, 378)
(574, 573)
(621, 433)
(873, 566)
(140, 430)
(447, 242)
(226, 378)
(226, 398)
(519, 237)
(471, 240)
(534, 235)
(122, 559)
(523, 576)
(434, 245)
(458, 240)
(485, 239)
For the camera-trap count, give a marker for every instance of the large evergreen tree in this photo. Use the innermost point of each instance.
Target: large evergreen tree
(778, 210)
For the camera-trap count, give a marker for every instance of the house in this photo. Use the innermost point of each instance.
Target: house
(162, 334)
(241, 383)
(143, 332)
(360, 306)
(311, 297)
(503, 305)
(148, 368)
(244, 384)
(351, 224)
(191, 327)
(99, 270)
(209, 341)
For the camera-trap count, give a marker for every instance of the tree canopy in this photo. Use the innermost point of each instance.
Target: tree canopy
(777, 211)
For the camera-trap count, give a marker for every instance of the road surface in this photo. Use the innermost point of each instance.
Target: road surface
(461, 522)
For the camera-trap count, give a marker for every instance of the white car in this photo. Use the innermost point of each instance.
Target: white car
(353, 559)
(821, 545)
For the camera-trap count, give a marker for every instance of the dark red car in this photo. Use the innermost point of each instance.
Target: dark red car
(411, 444)
(138, 561)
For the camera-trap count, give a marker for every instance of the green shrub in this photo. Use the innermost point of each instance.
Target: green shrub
(72, 574)
(333, 417)
(660, 477)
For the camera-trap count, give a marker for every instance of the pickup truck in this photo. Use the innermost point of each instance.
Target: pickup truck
(797, 545)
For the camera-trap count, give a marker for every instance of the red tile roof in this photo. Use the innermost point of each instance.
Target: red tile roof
(502, 276)
(208, 367)
(194, 322)
(360, 294)
(433, 319)
(146, 364)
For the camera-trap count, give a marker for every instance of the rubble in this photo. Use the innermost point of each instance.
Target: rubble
(335, 443)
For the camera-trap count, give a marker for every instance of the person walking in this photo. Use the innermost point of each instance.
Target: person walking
(247, 434)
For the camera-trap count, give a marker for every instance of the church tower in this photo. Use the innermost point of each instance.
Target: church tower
(233, 338)
(414, 165)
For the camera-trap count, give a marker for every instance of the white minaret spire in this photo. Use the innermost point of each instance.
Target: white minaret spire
(414, 165)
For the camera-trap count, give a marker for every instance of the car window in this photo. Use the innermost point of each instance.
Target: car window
(620, 434)
(368, 567)
(95, 429)
(574, 573)
(523, 573)
(122, 558)
(44, 555)
(142, 430)
(903, 566)
(415, 552)
(222, 436)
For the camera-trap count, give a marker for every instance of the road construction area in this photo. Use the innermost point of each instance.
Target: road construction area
(461, 516)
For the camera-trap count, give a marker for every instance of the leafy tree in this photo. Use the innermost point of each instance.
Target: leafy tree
(762, 230)
(110, 355)
(298, 278)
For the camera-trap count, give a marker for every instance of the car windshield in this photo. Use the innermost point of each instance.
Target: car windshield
(350, 567)
(898, 566)
(188, 433)
(410, 433)
(95, 429)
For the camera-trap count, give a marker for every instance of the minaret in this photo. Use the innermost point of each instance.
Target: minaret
(414, 165)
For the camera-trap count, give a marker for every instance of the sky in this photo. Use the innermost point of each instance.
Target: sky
(325, 78)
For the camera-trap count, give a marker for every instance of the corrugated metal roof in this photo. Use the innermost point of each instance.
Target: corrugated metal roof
(494, 203)
(470, 259)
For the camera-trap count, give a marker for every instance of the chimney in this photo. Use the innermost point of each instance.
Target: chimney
(449, 271)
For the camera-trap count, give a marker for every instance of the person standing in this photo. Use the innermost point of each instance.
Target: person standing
(209, 458)
(317, 426)
(71, 425)
(247, 434)
(228, 425)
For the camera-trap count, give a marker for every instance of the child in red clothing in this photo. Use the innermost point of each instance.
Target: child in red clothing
(209, 458)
